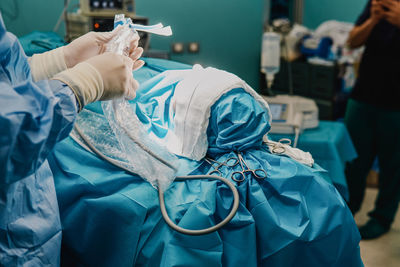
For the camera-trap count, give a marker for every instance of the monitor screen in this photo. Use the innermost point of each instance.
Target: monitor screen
(278, 111)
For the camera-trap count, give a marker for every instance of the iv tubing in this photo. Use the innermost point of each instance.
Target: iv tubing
(296, 136)
(163, 209)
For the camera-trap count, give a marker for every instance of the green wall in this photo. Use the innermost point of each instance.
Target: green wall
(40, 15)
(228, 31)
(318, 11)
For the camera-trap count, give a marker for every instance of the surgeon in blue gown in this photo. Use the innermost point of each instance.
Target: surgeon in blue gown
(39, 100)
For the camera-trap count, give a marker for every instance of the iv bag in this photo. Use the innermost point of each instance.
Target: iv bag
(270, 56)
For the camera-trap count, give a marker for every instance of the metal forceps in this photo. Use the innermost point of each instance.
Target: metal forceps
(239, 176)
(230, 162)
(279, 147)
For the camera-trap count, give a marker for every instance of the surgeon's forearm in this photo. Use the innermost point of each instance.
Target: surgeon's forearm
(359, 34)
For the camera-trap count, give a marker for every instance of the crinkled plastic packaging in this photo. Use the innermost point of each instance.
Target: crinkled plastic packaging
(124, 138)
(108, 138)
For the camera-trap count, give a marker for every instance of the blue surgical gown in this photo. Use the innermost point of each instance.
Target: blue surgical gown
(34, 116)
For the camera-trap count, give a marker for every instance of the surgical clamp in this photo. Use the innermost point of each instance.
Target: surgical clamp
(239, 176)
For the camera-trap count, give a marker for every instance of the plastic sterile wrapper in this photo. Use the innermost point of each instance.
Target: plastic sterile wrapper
(124, 138)
(150, 160)
(111, 141)
(98, 131)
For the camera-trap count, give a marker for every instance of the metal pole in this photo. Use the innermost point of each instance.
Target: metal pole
(298, 11)
(266, 14)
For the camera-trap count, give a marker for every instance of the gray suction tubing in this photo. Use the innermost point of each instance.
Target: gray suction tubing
(163, 209)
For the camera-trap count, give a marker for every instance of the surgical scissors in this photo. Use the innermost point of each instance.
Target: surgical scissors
(239, 176)
(230, 162)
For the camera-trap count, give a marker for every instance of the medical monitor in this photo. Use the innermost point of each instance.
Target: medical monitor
(278, 112)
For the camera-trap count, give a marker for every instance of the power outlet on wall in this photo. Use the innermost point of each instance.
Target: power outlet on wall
(193, 47)
(178, 48)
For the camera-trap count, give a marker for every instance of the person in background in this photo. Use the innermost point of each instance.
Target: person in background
(373, 113)
(40, 98)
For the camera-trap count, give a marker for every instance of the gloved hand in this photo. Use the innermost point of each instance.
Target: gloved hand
(101, 77)
(93, 44)
(46, 65)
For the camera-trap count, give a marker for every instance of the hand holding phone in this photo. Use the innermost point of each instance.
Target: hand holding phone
(391, 9)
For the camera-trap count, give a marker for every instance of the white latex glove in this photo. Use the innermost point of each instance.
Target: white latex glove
(46, 65)
(93, 44)
(101, 77)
